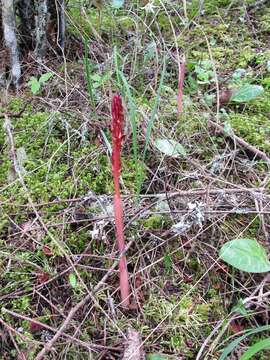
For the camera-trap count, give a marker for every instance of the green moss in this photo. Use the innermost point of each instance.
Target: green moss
(185, 317)
(245, 56)
(210, 6)
(77, 241)
(264, 21)
(154, 222)
(104, 21)
(21, 304)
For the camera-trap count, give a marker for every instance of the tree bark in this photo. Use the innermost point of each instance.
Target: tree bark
(26, 28)
(41, 27)
(61, 24)
(9, 28)
(40, 23)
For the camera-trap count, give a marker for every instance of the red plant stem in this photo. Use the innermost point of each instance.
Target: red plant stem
(117, 136)
(181, 76)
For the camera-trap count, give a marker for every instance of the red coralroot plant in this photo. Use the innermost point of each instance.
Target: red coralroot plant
(117, 136)
(181, 76)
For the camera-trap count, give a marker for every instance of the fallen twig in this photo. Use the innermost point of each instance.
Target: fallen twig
(258, 153)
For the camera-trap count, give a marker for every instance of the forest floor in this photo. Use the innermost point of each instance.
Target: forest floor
(56, 218)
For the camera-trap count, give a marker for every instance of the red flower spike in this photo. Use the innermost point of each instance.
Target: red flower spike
(117, 136)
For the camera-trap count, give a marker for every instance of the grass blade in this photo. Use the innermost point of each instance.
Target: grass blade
(154, 111)
(254, 349)
(87, 67)
(232, 345)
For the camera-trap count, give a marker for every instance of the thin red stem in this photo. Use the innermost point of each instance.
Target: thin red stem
(181, 76)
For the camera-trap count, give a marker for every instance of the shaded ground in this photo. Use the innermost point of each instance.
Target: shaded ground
(56, 220)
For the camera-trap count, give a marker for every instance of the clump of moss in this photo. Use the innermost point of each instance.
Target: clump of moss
(185, 316)
(154, 222)
(264, 21)
(103, 20)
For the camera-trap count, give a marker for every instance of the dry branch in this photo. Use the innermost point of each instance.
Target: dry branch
(258, 153)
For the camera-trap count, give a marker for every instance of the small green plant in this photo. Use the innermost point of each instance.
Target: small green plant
(204, 72)
(36, 84)
(249, 256)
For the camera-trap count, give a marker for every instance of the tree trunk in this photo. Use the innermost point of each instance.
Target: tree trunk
(40, 23)
(41, 27)
(61, 24)
(9, 29)
(26, 28)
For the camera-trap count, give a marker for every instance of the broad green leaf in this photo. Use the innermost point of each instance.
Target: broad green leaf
(45, 77)
(170, 147)
(257, 347)
(246, 255)
(117, 4)
(232, 345)
(72, 280)
(34, 85)
(158, 357)
(246, 93)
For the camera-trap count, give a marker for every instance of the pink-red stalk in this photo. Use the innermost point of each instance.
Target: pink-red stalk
(117, 137)
(181, 76)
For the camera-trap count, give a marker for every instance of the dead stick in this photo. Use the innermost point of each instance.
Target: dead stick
(260, 154)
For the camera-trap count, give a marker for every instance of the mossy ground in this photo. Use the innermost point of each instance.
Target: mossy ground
(180, 288)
